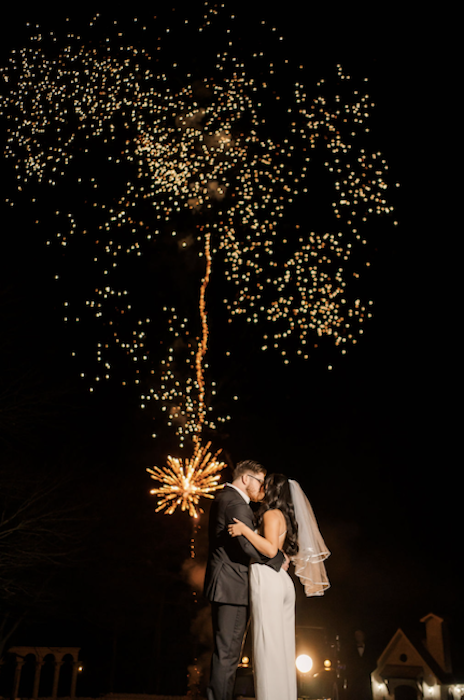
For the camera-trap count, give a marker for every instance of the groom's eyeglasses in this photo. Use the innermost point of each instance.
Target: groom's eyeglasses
(261, 481)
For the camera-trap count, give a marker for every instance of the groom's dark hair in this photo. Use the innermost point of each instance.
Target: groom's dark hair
(248, 466)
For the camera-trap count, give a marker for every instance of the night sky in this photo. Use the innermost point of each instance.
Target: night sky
(372, 440)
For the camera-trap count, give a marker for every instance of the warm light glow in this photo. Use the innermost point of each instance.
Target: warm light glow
(304, 663)
(327, 664)
(185, 481)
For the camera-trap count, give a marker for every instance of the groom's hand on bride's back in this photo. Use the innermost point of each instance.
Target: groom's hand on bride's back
(286, 562)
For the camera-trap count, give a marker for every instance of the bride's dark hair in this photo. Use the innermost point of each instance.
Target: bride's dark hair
(277, 495)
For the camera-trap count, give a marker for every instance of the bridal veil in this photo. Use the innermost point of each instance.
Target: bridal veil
(312, 552)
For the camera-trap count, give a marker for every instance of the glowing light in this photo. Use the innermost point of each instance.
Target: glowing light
(184, 481)
(304, 663)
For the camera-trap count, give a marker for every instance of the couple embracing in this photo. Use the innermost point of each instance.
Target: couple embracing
(248, 564)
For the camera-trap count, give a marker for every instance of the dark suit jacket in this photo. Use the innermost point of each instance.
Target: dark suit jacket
(226, 579)
(359, 669)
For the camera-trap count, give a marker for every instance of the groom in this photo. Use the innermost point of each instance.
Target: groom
(226, 579)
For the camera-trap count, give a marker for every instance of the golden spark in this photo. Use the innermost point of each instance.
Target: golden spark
(184, 482)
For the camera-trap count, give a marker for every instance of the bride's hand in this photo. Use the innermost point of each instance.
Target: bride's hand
(237, 529)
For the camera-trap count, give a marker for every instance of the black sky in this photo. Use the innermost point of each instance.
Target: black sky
(373, 442)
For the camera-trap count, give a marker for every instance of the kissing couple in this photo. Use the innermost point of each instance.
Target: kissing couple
(248, 561)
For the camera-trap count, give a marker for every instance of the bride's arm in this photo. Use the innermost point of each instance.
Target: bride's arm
(267, 545)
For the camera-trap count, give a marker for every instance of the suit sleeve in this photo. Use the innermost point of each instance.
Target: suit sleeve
(243, 512)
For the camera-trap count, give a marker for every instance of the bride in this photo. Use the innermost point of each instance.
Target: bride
(285, 521)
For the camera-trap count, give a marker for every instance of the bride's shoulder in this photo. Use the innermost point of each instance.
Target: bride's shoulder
(273, 514)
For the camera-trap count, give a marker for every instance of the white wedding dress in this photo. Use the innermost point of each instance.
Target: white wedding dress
(272, 600)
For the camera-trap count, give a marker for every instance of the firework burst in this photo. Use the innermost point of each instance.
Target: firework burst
(183, 482)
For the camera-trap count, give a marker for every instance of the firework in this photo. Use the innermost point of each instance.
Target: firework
(141, 154)
(185, 481)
